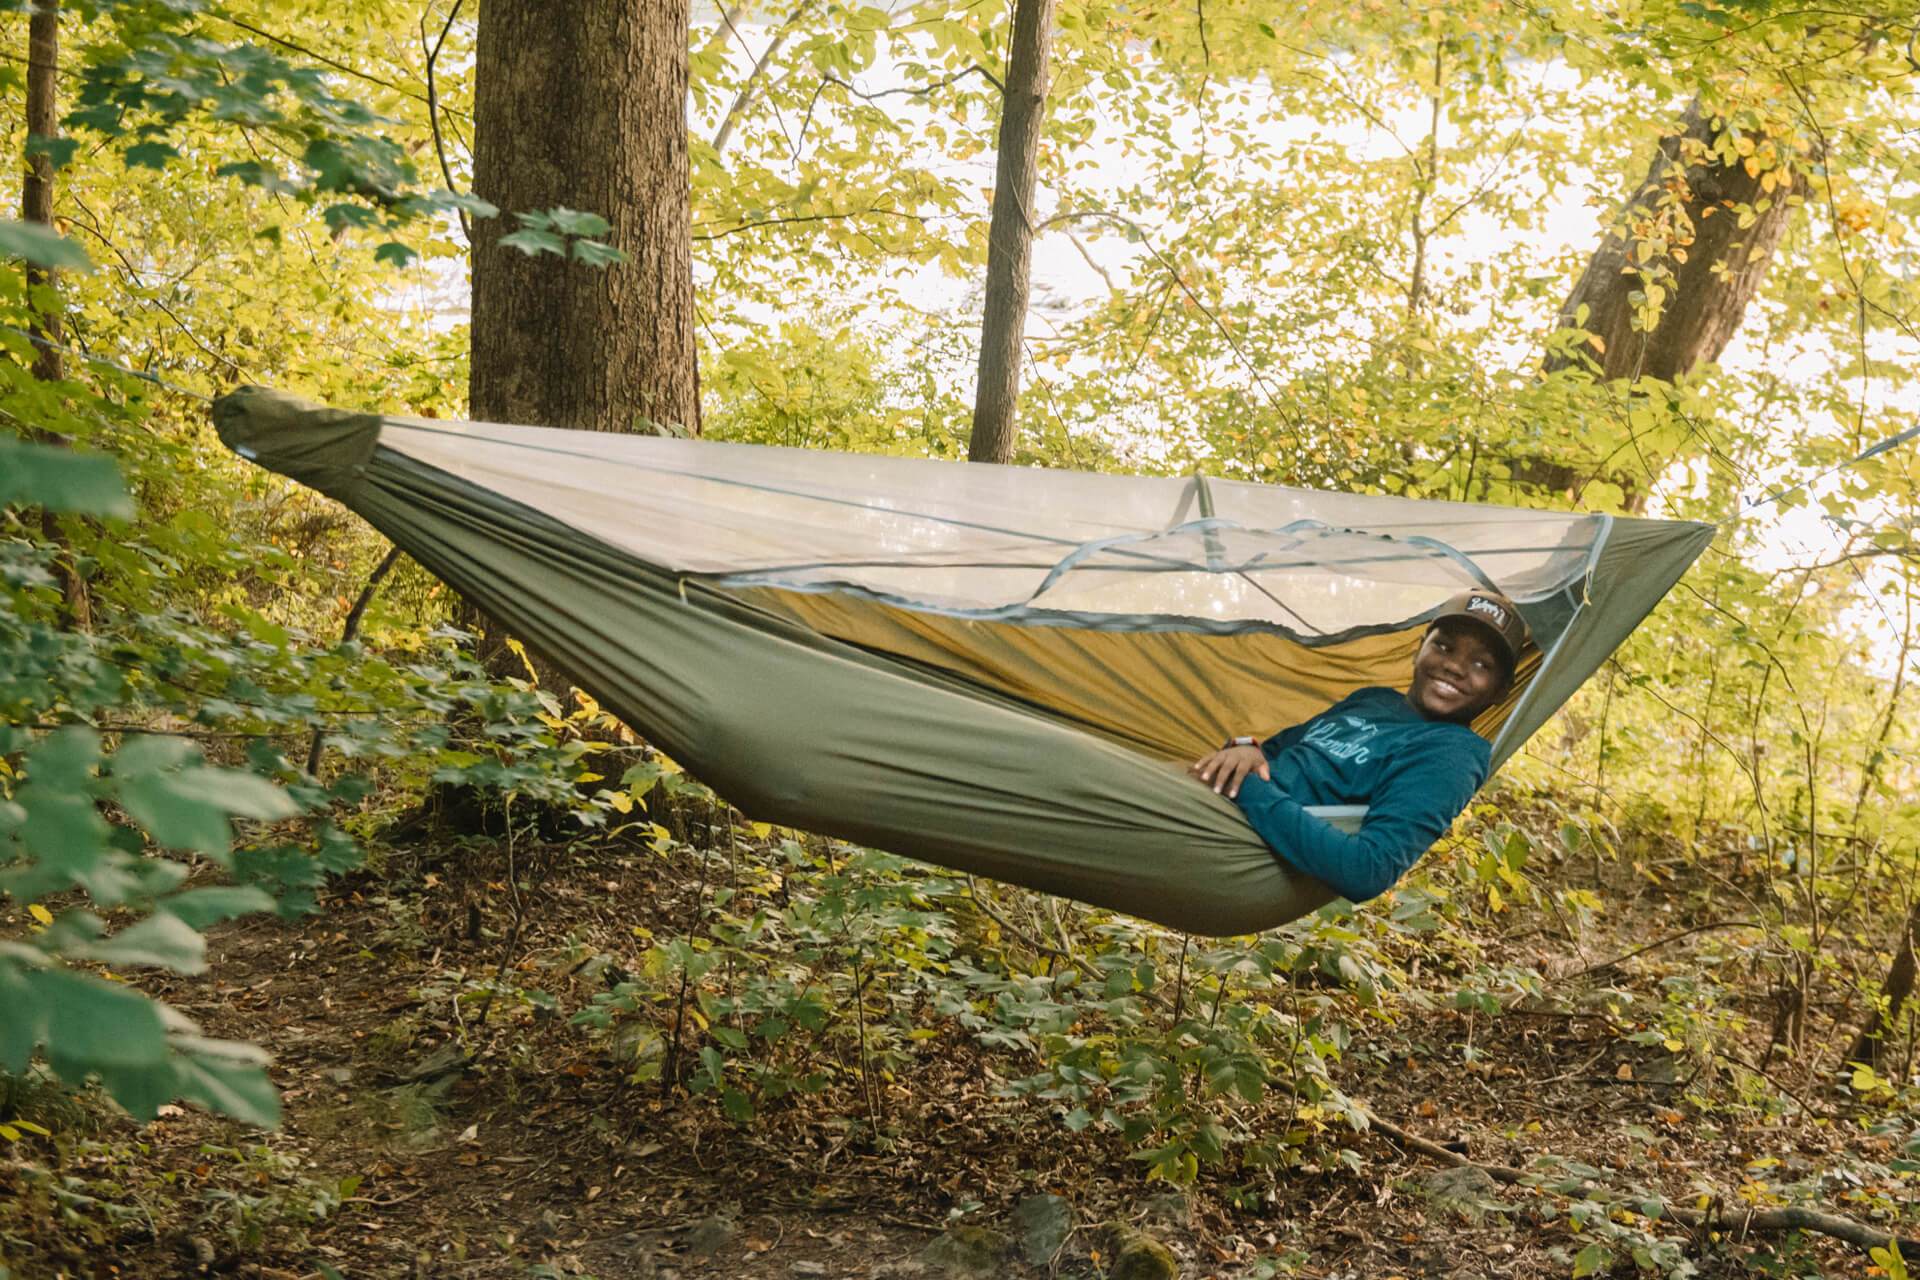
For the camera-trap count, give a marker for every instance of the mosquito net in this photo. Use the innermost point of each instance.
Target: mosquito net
(997, 668)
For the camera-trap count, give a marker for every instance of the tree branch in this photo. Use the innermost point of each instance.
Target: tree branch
(1198, 302)
(745, 95)
(1652, 946)
(1712, 1218)
(321, 58)
(876, 210)
(433, 106)
(352, 628)
(807, 120)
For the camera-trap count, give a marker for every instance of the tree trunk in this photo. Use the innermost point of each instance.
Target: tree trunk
(584, 106)
(36, 205)
(1010, 237)
(36, 187)
(1687, 199)
(1707, 263)
(1870, 1045)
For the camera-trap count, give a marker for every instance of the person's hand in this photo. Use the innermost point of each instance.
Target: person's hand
(1227, 768)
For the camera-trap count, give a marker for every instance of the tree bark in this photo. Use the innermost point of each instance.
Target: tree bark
(1870, 1045)
(36, 205)
(1010, 237)
(36, 186)
(584, 106)
(1688, 197)
(1687, 207)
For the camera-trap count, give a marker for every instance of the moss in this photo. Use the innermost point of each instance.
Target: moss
(968, 1251)
(1138, 1256)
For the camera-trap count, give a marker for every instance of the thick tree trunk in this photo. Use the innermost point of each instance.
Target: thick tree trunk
(584, 106)
(1686, 208)
(36, 205)
(1688, 200)
(1010, 238)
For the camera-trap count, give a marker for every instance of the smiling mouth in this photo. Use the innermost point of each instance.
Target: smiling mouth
(1447, 688)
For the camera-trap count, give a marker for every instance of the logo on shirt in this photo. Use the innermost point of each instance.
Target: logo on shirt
(1344, 737)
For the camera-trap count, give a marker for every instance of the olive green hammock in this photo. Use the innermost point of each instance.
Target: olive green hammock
(1001, 670)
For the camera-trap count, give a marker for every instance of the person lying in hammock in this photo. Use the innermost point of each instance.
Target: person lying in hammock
(1410, 757)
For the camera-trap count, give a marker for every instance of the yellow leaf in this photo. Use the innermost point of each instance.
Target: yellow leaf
(1597, 343)
(761, 830)
(40, 913)
(621, 801)
(520, 652)
(1674, 1046)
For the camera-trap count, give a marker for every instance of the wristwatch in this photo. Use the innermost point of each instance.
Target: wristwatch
(1242, 742)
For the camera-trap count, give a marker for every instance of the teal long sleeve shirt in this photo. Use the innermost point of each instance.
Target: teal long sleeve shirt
(1372, 748)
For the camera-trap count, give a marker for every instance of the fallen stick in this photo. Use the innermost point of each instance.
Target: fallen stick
(1712, 1219)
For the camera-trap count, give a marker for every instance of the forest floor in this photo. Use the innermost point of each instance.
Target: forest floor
(538, 1159)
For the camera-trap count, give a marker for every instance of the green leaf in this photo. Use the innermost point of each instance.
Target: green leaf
(154, 753)
(93, 1025)
(1592, 1260)
(177, 813)
(471, 205)
(230, 1078)
(342, 217)
(596, 254)
(572, 222)
(58, 150)
(149, 155)
(161, 941)
(189, 809)
(42, 246)
(199, 908)
(534, 243)
(394, 254)
(255, 174)
(245, 795)
(62, 480)
(23, 1025)
(141, 1089)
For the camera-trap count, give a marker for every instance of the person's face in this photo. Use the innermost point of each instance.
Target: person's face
(1457, 674)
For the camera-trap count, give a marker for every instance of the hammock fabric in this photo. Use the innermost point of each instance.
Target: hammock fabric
(1000, 670)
